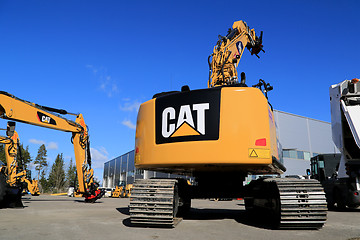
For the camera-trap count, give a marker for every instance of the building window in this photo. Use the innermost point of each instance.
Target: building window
(293, 154)
(302, 155)
(307, 156)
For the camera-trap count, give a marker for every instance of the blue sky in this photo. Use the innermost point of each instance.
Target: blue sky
(104, 58)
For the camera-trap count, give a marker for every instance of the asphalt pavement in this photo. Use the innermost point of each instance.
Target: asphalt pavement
(62, 217)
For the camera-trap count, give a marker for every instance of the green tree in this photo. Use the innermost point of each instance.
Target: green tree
(44, 183)
(57, 174)
(40, 160)
(23, 157)
(71, 178)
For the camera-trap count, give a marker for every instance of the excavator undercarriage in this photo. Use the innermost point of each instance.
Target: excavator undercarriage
(284, 203)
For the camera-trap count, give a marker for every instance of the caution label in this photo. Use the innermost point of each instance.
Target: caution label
(259, 153)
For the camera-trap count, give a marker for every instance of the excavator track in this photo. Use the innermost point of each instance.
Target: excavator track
(154, 202)
(302, 203)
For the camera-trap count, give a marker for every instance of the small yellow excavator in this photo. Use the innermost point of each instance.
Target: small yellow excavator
(16, 109)
(122, 191)
(218, 136)
(16, 179)
(117, 192)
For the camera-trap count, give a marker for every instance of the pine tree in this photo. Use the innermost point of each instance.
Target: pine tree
(71, 175)
(40, 160)
(44, 183)
(57, 174)
(23, 157)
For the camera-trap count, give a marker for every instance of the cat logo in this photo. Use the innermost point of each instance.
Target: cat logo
(184, 125)
(45, 118)
(240, 47)
(188, 116)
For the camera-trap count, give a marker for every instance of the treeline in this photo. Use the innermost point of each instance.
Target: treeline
(57, 180)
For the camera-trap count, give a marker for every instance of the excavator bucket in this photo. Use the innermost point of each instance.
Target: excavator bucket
(93, 197)
(12, 198)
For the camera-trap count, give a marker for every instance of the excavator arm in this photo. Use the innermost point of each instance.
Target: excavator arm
(228, 51)
(16, 109)
(14, 175)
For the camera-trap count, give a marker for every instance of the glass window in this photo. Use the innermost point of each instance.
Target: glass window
(307, 156)
(112, 168)
(293, 154)
(106, 169)
(286, 154)
(321, 164)
(117, 170)
(131, 165)
(124, 163)
(315, 154)
(300, 154)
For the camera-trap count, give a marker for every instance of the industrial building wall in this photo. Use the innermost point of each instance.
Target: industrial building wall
(121, 171)
(302, 138)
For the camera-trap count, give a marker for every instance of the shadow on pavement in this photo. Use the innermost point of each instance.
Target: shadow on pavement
(83, 201)
(240, 216)
(344, 210)
(124, 210)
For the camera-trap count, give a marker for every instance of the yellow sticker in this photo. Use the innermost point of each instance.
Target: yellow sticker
(137, 158)
(259, 153)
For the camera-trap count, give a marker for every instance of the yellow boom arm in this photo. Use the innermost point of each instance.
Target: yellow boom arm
(228, 51)
(13, 108)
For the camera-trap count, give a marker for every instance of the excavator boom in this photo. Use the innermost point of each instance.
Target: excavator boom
(16, 109)
(228, 52)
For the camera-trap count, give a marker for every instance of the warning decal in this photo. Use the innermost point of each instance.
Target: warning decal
(259, 153)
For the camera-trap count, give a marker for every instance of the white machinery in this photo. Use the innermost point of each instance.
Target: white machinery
(345, 122)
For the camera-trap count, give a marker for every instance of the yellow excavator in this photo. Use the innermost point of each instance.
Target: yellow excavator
(16, 179)
(117, 192)
(16, 109)
(219, 136)
(123, 191)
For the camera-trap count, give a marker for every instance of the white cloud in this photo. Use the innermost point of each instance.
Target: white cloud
(103, 150)
(130, 106)
(36, 141)
(106, 83)
(129, 124)
(49, 146)
(52, 145)
(99, 157)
